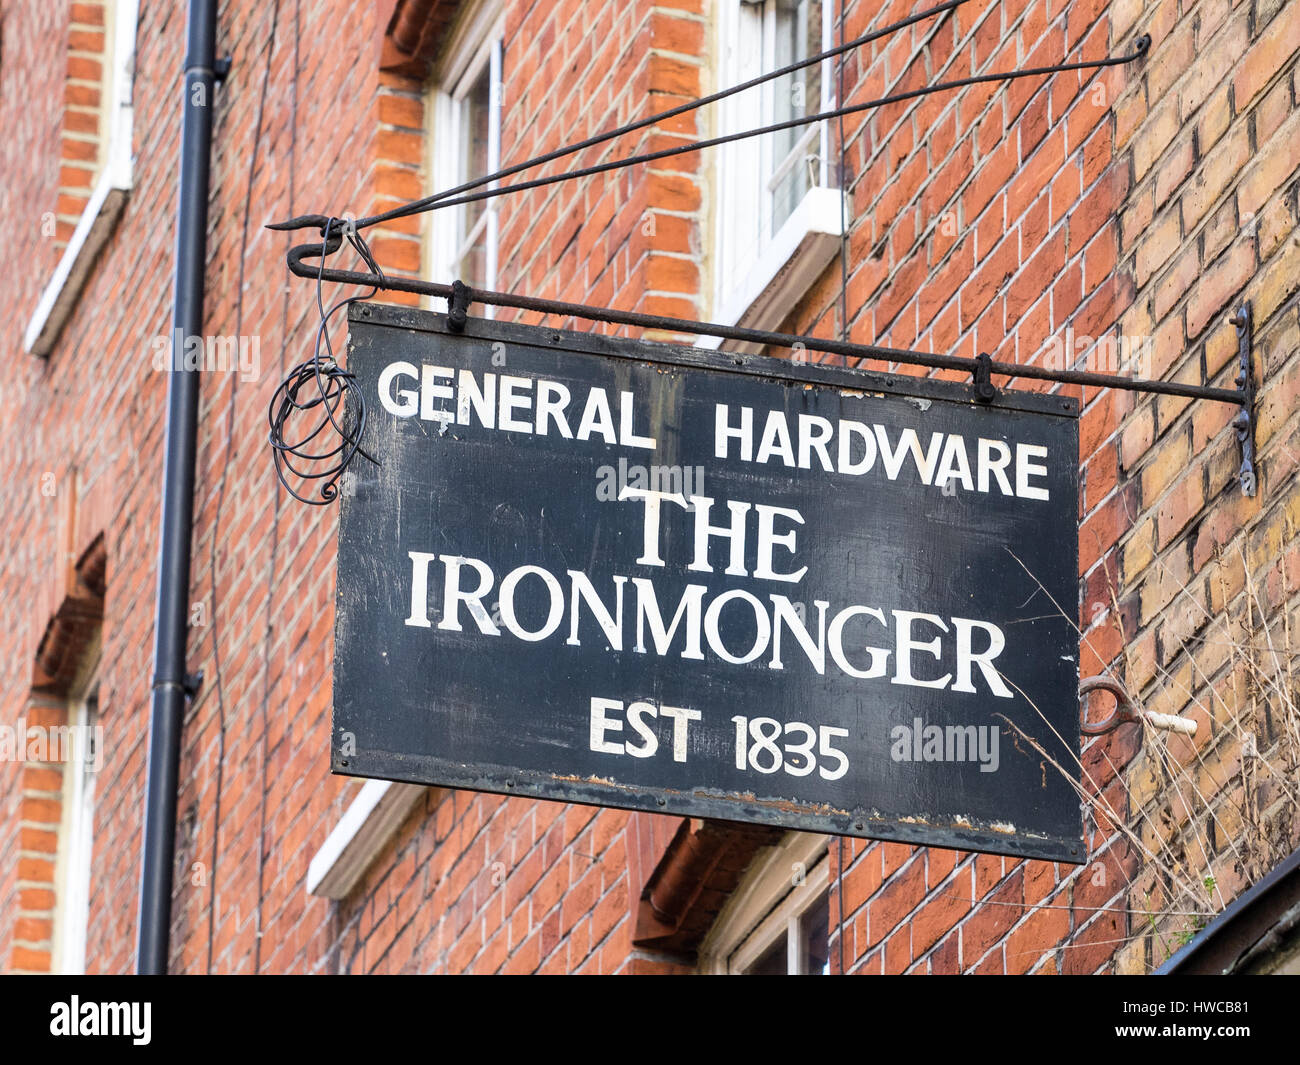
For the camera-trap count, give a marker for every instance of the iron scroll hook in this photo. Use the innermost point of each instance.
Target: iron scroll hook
(1123, 706)
(1125, 711)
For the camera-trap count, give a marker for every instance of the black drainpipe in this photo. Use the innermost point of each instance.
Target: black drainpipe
(171, 684)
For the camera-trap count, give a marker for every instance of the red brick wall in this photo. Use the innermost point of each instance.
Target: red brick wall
(629, 238)
(1207, 576)
(39, 809)
(95, 406)
(85, 112)
(1152, 198)
(987, 220)
(256, 799)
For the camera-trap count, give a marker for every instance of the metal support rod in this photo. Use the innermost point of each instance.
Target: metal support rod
(171, 683)
(300, 268)
(493, 179)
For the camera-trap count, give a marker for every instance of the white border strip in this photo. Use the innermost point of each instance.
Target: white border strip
(362, 832)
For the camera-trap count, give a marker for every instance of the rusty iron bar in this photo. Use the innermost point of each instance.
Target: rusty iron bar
(300, 268)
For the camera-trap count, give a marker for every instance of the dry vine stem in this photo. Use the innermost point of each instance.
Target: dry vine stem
(1219, 809)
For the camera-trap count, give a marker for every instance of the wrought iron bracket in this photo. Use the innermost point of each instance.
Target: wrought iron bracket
(1244, 422)
(297, 260)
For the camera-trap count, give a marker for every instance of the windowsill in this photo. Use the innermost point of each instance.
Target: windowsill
(61, 294)
(362, 832)
(803, 247)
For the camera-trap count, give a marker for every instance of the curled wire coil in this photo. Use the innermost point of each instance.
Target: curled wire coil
(321, 394)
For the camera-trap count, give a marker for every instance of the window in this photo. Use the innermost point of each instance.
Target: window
(795, 159)
(466, 144)
(778, 218)
(81, 759)
(792, 941)
(778, 919)
(96, 168)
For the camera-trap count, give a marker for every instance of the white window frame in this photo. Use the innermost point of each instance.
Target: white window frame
(770, 902)
(107, 198)
(476, 44)
(756, 284)
(76, 834)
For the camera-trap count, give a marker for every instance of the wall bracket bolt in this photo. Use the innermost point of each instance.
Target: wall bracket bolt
(1244, 422)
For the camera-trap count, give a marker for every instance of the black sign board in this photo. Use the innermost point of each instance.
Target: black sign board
(658, 578)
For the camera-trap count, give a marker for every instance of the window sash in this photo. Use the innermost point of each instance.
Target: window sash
(749, 170)
(78, 840)
(785, 919)
(455, 235)
(797, 155)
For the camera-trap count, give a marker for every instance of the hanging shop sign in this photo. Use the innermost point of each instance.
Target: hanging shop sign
(652, 577)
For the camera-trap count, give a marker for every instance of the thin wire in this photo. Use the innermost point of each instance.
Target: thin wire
(840, 908)
(268, 629)
(1090, 909)
(333, 384)
(439, 202)
(844, 211)
(230, 448)
(844, 360)
(423, 204)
